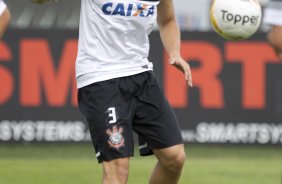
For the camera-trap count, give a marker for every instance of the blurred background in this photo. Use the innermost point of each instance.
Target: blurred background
(191, 14)
(231, 120)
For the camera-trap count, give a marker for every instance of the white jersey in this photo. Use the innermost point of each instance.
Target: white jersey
(273, 13)
(3, 6)
(113, 39)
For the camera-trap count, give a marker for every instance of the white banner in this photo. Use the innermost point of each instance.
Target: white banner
(244, 133)
(43, 131)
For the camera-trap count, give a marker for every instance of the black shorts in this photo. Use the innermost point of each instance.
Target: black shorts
(117, 107)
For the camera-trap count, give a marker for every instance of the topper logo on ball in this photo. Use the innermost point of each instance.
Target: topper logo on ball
(227, 16)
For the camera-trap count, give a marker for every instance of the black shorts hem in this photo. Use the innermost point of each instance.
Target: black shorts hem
(150, 152)
(101, 160)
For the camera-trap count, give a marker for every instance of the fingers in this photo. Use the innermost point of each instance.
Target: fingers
(188, 76)
(190, 82)
(185, 68)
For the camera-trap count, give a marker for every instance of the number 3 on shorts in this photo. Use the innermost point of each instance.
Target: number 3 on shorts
(112, 114)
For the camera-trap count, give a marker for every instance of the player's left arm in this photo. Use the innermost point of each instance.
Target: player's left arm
(5, 18)
(170, 36)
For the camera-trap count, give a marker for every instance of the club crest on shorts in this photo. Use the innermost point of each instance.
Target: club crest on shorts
(116, 139)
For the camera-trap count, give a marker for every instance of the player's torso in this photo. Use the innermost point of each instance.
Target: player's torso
(122, 16)
(124, 8)
(114, 37)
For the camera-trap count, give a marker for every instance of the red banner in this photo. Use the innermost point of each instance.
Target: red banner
(236, 98)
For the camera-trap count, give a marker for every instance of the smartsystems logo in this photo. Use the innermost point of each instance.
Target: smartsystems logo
(121, 9)
(43, 131)
(235, 133)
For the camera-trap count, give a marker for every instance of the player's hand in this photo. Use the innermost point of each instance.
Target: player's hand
(183, 66)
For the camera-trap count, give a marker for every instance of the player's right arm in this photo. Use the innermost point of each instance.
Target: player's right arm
(5, 18)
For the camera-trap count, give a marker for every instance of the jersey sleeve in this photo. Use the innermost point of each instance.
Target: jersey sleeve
(273, 13)
(3, 6)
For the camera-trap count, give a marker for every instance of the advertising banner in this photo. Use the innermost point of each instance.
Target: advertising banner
(236, 98)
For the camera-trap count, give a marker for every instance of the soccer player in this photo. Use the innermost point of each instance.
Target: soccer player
(5, 18)
(118, 92)
(273, 17)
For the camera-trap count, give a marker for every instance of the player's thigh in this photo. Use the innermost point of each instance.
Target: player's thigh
(109, 119)
(116, 167)
(155, 121)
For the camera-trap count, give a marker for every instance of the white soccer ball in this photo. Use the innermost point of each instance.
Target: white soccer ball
(235, 19)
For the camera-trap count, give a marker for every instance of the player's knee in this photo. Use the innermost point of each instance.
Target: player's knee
(116, 173)
(179, 160)
(176, 161)
(119, 176)
(122, 174)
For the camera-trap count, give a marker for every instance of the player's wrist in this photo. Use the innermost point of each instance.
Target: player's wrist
(174, 56)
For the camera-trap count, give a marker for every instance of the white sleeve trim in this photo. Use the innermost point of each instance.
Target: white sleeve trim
(273, 16)
(3, 6)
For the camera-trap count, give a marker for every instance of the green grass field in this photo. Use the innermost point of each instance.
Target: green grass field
(76, 164)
